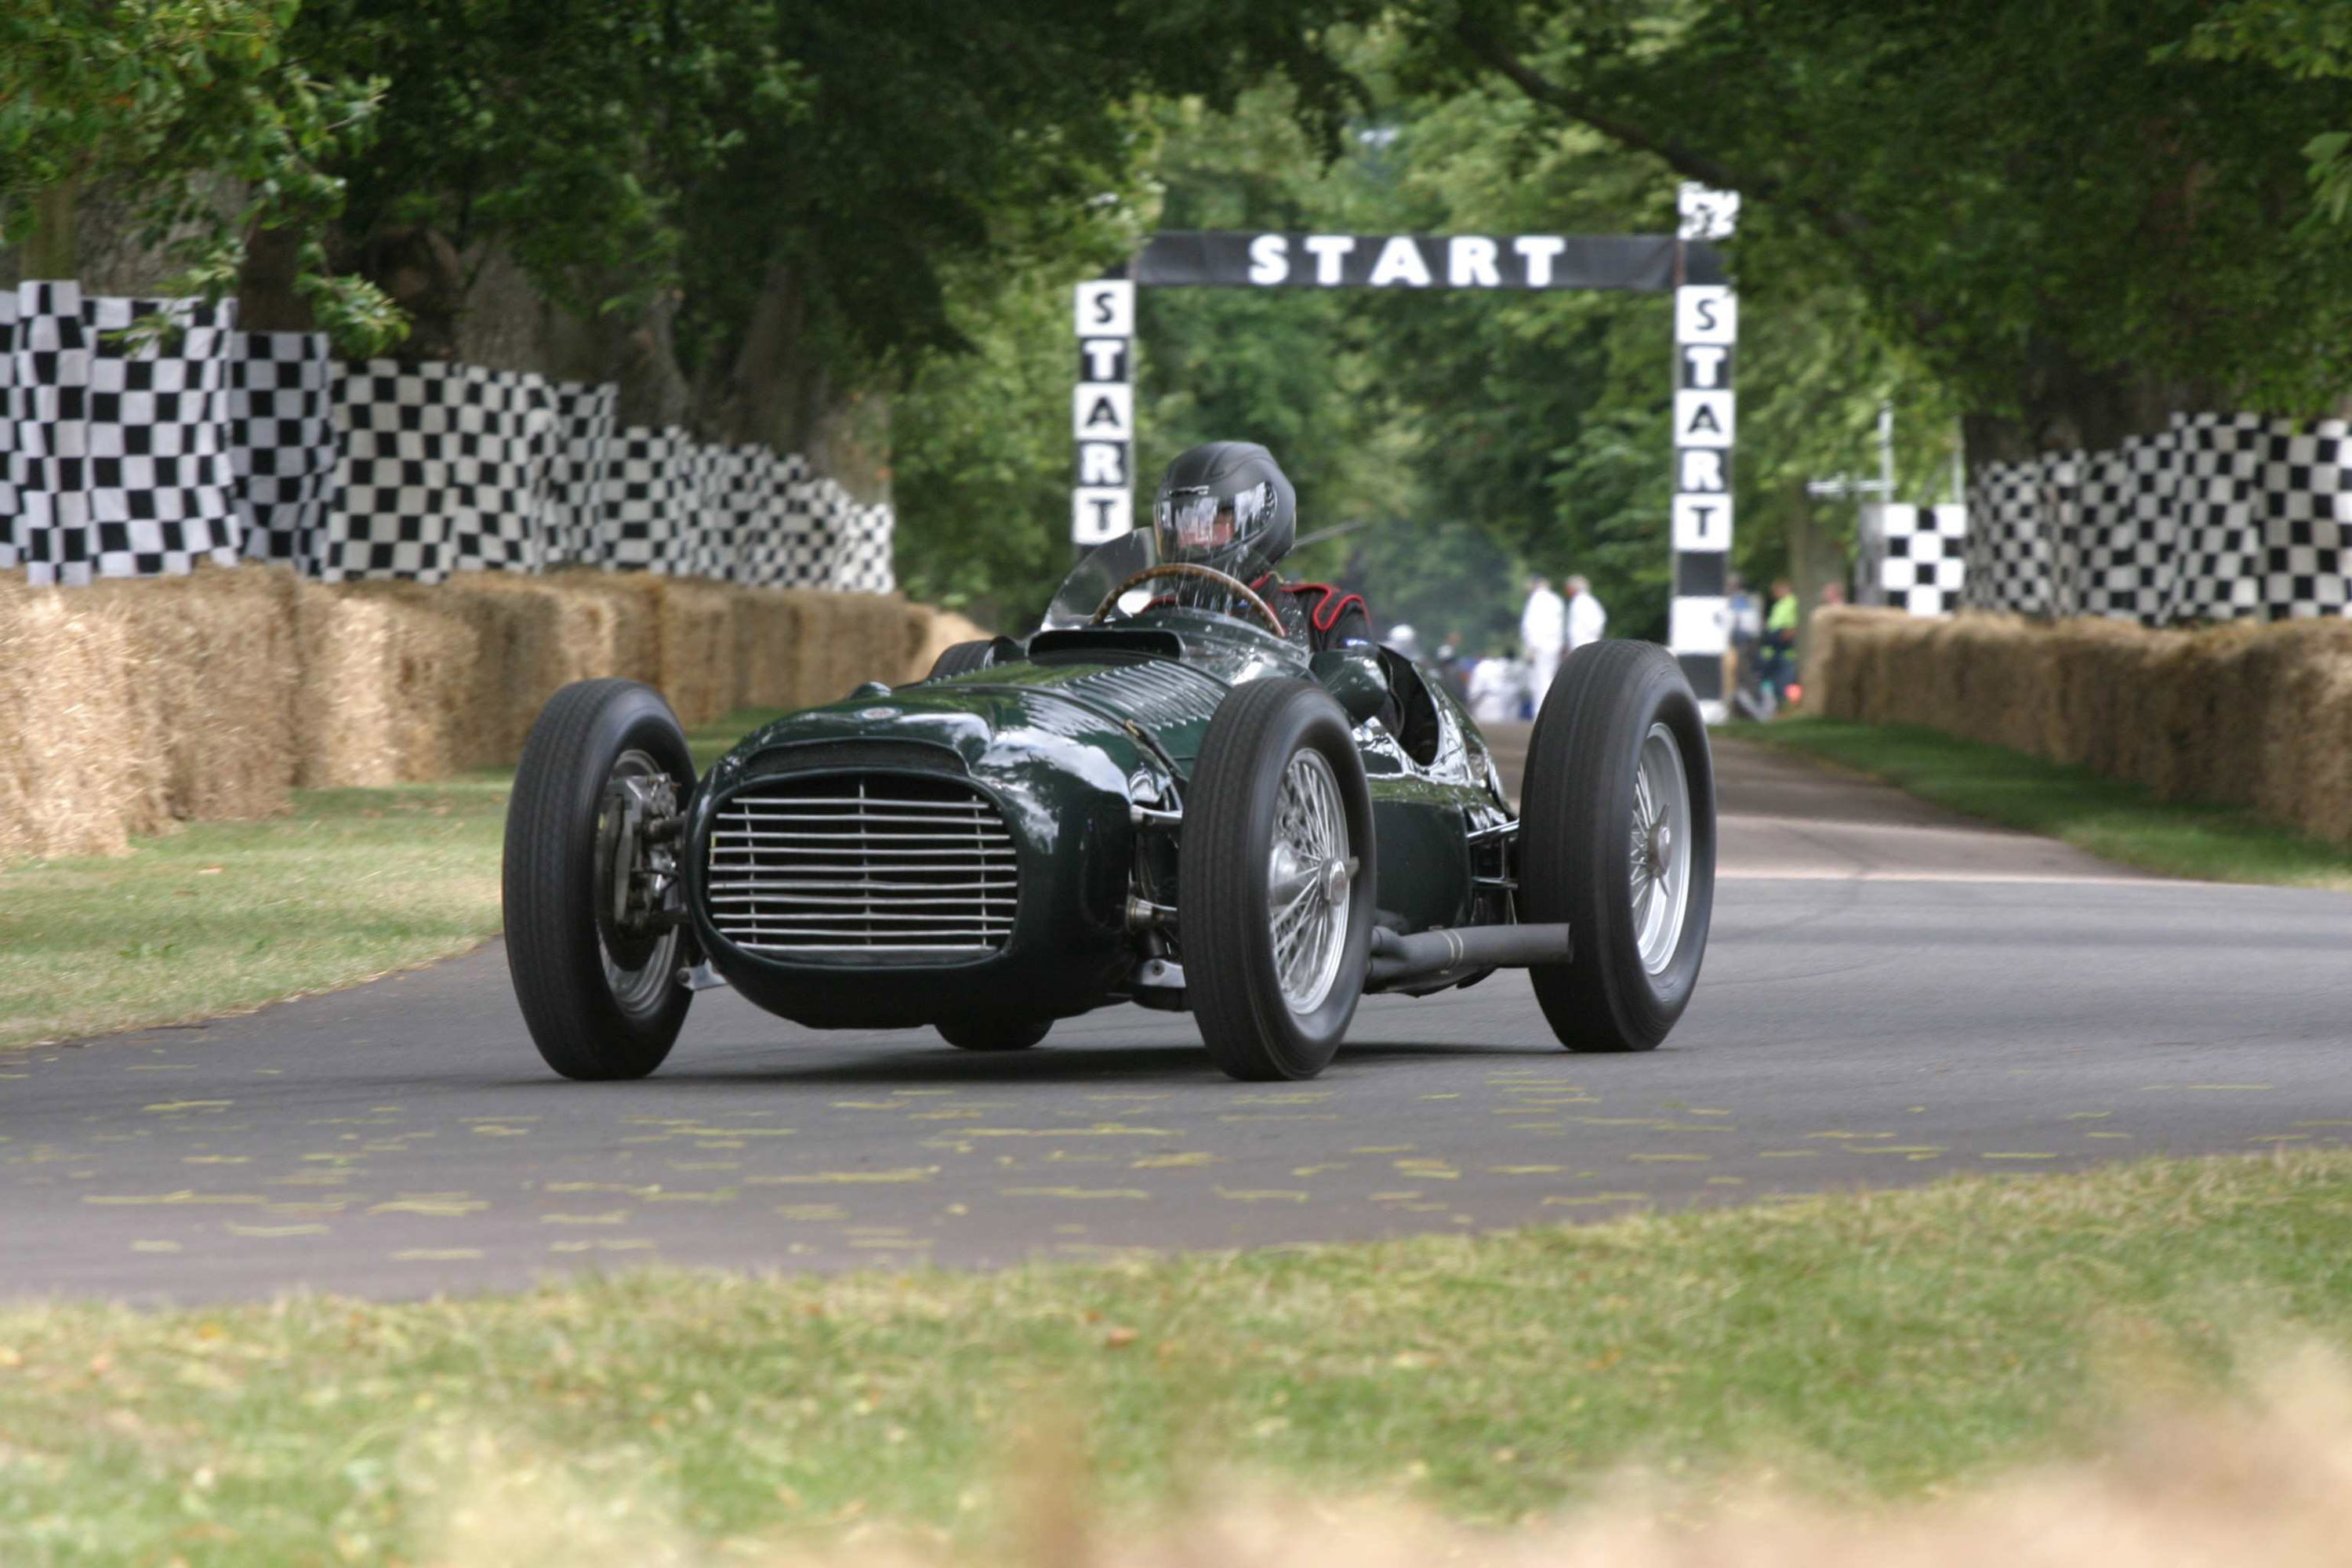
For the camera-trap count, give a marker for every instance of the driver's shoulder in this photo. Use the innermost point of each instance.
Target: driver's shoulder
(1323, 603)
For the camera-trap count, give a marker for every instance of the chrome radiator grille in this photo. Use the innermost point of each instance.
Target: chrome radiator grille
(862, 863)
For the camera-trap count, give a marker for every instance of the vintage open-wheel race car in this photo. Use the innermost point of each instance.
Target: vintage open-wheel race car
(1155, 798)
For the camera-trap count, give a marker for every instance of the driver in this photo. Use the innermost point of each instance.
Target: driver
(1227, 506)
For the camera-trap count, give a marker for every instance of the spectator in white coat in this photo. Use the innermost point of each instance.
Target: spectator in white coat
(1498, 687)
(1543, 630)
(1587, 620)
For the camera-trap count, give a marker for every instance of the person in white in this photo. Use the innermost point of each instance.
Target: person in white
(1496, 688)
(1543, 627)
(1587, 620)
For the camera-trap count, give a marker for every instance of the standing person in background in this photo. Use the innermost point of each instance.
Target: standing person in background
(1781, 640)
(1587, 620)
(1747, 644)
(1543, 629)
(1496, 688)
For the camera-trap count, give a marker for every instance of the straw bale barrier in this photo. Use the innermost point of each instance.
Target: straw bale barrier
(2249, 714)
(130, 705)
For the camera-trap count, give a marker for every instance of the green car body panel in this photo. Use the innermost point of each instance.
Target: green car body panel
(1066, 733)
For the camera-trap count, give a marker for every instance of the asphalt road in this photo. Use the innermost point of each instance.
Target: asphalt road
(1890, 995)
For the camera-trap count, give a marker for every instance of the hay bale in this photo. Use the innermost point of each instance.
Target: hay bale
(2246, 714)
(932, 633)
(211, 675)
(77, 777)
(695, 622)
(400, 681)
(767, 647)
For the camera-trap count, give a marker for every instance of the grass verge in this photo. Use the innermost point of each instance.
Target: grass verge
(2113, 818)
(1878, 1345)
(221, 916)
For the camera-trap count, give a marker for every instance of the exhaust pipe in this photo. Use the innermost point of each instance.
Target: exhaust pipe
(1436, 953)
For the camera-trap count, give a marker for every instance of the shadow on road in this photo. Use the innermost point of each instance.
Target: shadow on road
(1126, 1065)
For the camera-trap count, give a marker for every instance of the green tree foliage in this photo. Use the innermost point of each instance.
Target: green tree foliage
(2303, 40)
(699, 150)
(195, 109)
(2068, 217)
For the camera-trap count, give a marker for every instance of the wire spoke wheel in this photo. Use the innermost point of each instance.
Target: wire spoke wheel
(1661, 859)
(1617, 839)
(1309, 873)
(1275, 872)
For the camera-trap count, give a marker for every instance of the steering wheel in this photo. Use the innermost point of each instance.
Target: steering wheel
(1187, 569)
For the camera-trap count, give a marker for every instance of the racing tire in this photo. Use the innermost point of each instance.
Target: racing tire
(963, 657)
(1279, 791)
(601, 1002)
(1619, 798)
(994, 1034)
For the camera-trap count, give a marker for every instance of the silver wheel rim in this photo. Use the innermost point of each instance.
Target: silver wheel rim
(1310, 880)
(638, 989)
(1661, 846)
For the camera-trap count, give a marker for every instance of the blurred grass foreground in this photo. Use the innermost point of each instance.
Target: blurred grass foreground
(1833, 1380)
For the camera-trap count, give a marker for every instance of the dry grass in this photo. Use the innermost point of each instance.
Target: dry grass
(132, 705)
(2212, 1487)
(2252, 715)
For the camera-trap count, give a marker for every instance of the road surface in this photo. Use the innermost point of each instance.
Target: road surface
(1891, 995)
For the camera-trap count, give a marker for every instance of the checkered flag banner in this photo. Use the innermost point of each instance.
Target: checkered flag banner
(118, 448)
(282, 447)
(1912, 557)
(2220, 517)
(127, 453)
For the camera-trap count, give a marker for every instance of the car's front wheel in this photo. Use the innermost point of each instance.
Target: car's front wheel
(1617, 839)
(590, 869)
(1274, 882)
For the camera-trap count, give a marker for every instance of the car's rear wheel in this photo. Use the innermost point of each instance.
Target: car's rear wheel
(963, 659)
(1274, 882)
(995, 1033)
(1617, 838)
(591, 862)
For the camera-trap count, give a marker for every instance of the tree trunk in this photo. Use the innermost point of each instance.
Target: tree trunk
(777, 389)
(266, 298)
(53, 250)
(2068, 406)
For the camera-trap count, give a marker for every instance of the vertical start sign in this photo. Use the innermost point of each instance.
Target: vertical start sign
(1102, 413)
(1706, 335)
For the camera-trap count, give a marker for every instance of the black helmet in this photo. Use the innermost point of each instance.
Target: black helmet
(1224, 505)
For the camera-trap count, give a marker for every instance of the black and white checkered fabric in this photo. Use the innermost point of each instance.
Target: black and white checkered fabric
(643, 484)
(1920, 561)
(2220, 538)
(282, 445)
(124, 459)
(2007, 550)
(570, 482)
(2218, 518)
(778, 551)
(441, 471)
(118, 452)
(15, 530)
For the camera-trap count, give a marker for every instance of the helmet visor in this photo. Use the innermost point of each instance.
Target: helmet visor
(1189, 520)
(1200, 521)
